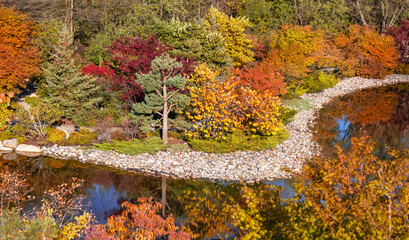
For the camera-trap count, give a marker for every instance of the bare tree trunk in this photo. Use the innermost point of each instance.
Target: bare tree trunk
(361, 14)
(163, 196)
(69, 14)
(165, 116)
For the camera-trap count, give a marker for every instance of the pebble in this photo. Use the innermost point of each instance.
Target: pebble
(249, 166)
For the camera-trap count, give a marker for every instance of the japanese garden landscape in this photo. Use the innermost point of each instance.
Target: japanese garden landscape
(236, 119)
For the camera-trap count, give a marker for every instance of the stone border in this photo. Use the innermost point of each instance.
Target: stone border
(248, 166)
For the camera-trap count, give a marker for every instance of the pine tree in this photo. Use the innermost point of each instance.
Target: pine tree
(162, 87)
(65, 85)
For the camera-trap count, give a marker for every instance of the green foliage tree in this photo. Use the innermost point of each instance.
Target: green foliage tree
(13, 227)
(65, 86)
(117, 19)
(236, 42)
(265, 15)
(162, 87)
(191, 40)
(39, 117)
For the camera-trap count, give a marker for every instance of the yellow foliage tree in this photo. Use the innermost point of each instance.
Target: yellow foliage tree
(236, 42)
(219, 106)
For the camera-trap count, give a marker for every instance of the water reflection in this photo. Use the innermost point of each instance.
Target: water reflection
(382, 113)
(105, 200)
(106, 188)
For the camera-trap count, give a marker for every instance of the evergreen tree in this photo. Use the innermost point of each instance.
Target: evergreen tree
(162, 87)
(65, 85)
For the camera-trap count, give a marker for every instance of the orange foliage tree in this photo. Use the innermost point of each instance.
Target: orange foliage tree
(219, 106)
(261, 77)
(296, 50)
(19, 59)
(367, 53)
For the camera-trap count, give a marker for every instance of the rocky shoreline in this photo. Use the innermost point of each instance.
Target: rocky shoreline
(249, 166)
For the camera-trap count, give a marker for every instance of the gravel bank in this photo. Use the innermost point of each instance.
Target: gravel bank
(246, 166)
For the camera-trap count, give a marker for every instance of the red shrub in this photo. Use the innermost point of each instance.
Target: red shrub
(261, 77)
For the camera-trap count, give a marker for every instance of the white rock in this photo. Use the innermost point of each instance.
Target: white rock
(28, 148)
(10, 143)
(4, 149)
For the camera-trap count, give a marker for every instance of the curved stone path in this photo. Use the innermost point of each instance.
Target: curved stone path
(248, 166)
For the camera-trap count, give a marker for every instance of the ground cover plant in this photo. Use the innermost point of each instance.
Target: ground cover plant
(134, 147)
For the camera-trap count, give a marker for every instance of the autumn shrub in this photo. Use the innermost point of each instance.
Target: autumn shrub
(142, 221)
(55, 135)
(238, 141)
(5, 114)
(318, 81)
(82, 137)
(366, 53)
(134, 147)
(261, 77)
(119, 135)
(97, 232)
(130, 128)
(219, 106)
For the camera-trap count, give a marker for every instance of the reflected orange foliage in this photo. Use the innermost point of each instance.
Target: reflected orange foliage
(368, 107)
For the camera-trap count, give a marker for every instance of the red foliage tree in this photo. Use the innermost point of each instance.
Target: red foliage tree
(261, 77)
(130, 56)
(401, 36)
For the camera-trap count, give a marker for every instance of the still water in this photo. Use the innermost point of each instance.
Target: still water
(381, 113)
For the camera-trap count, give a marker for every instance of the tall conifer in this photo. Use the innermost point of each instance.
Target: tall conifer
(65, 85)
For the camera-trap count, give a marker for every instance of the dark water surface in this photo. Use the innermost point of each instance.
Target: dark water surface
(106, 188)
(381, 113)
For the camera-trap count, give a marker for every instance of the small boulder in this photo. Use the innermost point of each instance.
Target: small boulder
(10, 156)
(4, 149)
(29, 154)
(25, 148)
(10, 143)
